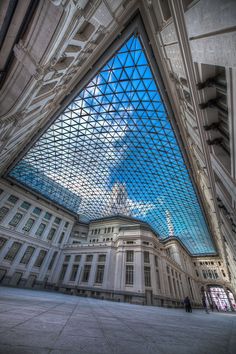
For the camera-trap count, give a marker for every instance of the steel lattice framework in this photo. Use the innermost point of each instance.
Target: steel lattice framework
(116, 131)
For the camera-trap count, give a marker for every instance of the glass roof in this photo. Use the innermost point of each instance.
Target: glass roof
(116, 132)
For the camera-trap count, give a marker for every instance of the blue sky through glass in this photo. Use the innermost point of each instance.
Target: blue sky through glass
(117, 130)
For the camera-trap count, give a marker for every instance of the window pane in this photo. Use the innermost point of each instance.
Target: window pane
(13, 199)
(74, 272)
(2, 242)
(28, 254)
(3, 212)
(52, 260)
(129, 278)
(102, 258)
(147, 276)
(87, 268)
(37, 211)
(51, 234)
(67, 258)
(77, 258)
(89, 258)
(100, 273)
(61, 237)
(40, 229)
(25, 205)
(146, 257)
(47, 216)
(29, 224)
(63, 272)
(129, 256)
(40, 259)
(57, 220)
(16, 219)
(11, 254)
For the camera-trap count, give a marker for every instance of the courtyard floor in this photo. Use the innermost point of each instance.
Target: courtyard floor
(44, 322)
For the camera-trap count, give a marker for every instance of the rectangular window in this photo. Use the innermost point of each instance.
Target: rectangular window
(156, 261)
(40, 259)
(51, 234)
(67, 258)
(25, 205)
(74, 272)
(3, 212)
(40, 230)
(52, 260)
(170, 286)
(28, 254)
(66, 225)
(147, 276)
(78, 258)
(102, 258)
(29, 225)
(100, 273)
(16, 219)
(158, 279)
(13, 199)
(57, 220)
(37, 211)
(108, 230)
(11, 254)
(86, 273)
(89, 258)
(2, 242)
(129, 256)
(168, 269)
(47, 216)
(63, 272)
(129, 275)
(146, 257)
(61, 237)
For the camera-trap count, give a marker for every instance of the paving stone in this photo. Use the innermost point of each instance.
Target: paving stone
(42, 322)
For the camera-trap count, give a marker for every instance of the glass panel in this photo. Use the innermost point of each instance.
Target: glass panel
(37, 211)
(100, 273)
(47, 216)
(40, 259)
(113, 151)
(102, 258)
(86, 273)
(74, 272)
(61, 237)
(77, 258)
(51, 234)
(40, 229)
(16, 219)
(89, 258)
(13, 199)
(2, 242)
(129, 277)
(29, 225)
(52, 261)
(57, 220)
(129, 256)
(25, 205)
(3, 212)
(13, 251)
(28, 254)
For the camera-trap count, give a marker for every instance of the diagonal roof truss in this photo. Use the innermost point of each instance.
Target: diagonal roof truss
(116, 130)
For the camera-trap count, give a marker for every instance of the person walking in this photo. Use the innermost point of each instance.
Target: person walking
(204, 304)
(187, 304)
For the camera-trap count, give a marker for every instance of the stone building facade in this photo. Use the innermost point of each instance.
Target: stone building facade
(117, 258)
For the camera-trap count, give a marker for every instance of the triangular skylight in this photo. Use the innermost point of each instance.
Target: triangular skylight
(117, 131)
